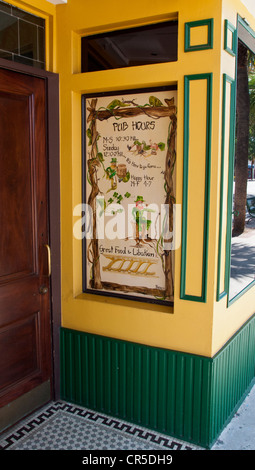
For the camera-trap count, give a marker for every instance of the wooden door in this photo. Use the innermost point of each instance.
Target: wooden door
(25, 319)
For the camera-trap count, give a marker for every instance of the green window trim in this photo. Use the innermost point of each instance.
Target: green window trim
(199, 47)
(229, 27)
(208, 77)
(241, 293)
(226, 79)
(246, 26)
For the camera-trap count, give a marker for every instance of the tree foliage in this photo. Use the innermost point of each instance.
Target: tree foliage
(245, 133)
(242, 139)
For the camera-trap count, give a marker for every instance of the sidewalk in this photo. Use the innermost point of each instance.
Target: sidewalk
(64, 426)
(240, 432)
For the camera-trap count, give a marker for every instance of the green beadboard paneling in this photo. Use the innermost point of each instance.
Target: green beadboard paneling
(233, 370)
(183, 395)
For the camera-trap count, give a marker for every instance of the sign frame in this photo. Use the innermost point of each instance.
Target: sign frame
(88, 115)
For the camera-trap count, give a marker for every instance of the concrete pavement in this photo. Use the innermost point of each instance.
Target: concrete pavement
(239, 434)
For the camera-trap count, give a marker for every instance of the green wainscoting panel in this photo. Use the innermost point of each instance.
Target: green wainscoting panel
(183, 395)
(233, 374)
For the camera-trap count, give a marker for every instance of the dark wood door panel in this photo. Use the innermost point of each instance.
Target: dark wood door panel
(25, 317)
(27, 299)
(17, 250)
(19, 350)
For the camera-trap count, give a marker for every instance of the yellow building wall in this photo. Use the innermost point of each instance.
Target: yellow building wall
(190, 326)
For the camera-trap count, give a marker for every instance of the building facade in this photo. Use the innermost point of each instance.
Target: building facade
(180, 366)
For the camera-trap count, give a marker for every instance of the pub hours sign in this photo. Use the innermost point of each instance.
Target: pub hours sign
(129, 193)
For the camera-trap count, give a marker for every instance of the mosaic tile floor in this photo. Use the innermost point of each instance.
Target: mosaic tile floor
(63, 426)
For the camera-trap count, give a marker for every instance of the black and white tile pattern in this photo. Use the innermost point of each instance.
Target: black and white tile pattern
(63, 426)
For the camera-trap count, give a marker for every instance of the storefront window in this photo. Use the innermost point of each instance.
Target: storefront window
(150, 44)
(22, 36)
(242, 271)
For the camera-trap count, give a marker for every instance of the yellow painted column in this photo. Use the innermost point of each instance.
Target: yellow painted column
(188, 325)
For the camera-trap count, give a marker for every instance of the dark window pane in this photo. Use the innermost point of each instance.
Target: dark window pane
(5, 55)
(8, 32)
(26, 61)
(41, 44)
(22, 35)
(126, 48)
(5, 7)
(23, 60)
(26, 16)
(28, 39)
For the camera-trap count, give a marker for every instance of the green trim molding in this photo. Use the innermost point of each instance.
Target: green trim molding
(225, 178)
(187, 396)
(242, 23)
(228, 27)
(199, 47)
(186, 162)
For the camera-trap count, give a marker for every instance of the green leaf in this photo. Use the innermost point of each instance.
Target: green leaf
(146, 147)
(100, 157)
(116, 104)
(88, 179)
(89, 135)
(161, 146)
(126, 178)
(118, 211)
(127, 195)
(155, 101)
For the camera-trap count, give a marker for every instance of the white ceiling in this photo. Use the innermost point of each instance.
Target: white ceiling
(250, 5)
(57, 2)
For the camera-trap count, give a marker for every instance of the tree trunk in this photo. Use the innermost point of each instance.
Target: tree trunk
(93, 163)
(169, 201)
(242, 145)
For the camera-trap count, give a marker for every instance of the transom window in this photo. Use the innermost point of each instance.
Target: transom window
(22, 36)
(149, 44)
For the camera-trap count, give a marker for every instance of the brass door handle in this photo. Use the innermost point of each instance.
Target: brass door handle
(49, 259)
